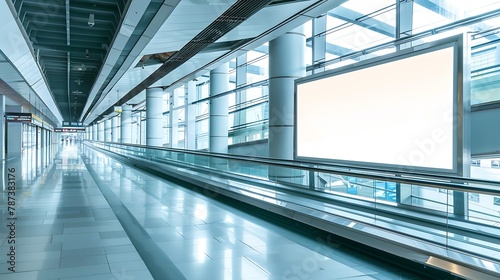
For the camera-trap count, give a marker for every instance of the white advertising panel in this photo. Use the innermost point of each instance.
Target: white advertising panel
(397, 112)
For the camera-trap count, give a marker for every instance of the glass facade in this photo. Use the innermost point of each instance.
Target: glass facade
(355, 31)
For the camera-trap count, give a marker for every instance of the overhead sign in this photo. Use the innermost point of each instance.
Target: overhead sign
(74, 129)
(76, 124)
(18, 117)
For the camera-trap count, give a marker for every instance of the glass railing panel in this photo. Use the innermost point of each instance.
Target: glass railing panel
(201, 160)
(426, 197)
(288, 175)
(219, 164)
(355, 186)
(484, 209)
(328, 182)
(385, 191)
(251, 169)
(362, 187)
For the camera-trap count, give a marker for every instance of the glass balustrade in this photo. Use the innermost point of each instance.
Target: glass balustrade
(460, 215)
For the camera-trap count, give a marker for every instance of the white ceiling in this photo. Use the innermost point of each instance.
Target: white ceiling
(186, 21)
(172, 28)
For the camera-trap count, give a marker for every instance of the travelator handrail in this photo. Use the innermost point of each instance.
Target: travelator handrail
(454, 183)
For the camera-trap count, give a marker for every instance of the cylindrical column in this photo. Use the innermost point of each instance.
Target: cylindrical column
(94, 132)
(100, 131)
(190, 118)
(154, 117)
(107, 130)
(219, 82)
(286, 63)
(126, 123)
(114, 129)
(136, 129)
(173, 119)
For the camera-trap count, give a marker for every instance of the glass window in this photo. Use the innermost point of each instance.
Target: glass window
(424, 18)
(180, 96)
(367, 7)
(353, 38)
(202, 90)
(257, 67)
(166, 128)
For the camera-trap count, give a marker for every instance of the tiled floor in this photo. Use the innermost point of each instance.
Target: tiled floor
(92, 218)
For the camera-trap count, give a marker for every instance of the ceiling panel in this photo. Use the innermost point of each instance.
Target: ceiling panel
(21, 87)
(177, 31)
(9, 74)
(264, 20)
(71, 38)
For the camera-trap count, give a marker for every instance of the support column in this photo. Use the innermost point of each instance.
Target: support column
(135, 129)
(100, 129)
(154, 117)
(173, 120)
(14, 134)
(126, 123)
(2, 128)
(107, 130)
(94, 132)
(219, 82)
(29, 137)
(286, 63)
(190, 117)
(42, 138)
(114, 130)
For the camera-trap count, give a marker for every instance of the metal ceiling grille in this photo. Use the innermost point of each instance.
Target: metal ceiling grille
(70, 39)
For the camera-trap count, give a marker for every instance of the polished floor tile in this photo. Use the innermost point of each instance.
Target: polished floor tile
(65, 228)
(100, 219)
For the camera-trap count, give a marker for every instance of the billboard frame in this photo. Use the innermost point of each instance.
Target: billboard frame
(461, 106)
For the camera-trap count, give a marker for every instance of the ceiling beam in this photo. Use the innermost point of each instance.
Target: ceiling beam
(61, 28)
(99, 35)
(83, 6)
(363, 21)
(71, 49)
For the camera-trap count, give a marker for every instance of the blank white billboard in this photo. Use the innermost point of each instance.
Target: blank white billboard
(397, 112)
